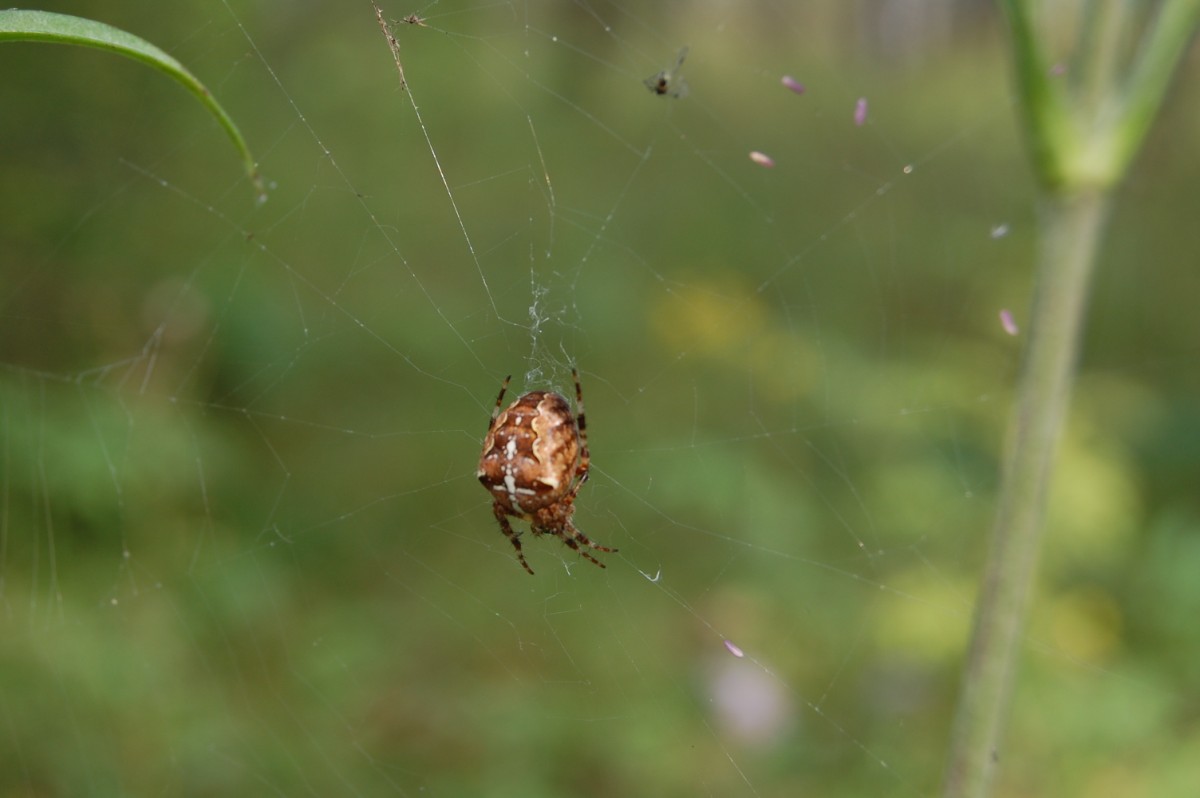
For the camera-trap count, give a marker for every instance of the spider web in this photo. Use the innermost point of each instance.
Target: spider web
(242, 547)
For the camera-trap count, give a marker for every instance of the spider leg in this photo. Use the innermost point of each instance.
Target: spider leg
(573, 537)
(499, 402)
(579, 480)
(508, 531)
(585, 456)
(580, 417)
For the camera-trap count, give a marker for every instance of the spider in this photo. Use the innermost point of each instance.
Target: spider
(668, 81)
(534, 461)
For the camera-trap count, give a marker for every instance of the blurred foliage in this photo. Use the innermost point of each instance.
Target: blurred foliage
(243, 549)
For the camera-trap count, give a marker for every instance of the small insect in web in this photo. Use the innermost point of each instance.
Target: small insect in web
(535, 459)
(669, 81)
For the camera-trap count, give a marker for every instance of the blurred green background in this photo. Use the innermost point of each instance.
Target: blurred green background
(242, 548)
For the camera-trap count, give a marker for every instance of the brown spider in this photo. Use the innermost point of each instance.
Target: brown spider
(534, 461)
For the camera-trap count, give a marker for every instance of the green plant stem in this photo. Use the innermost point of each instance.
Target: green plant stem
(1071, 225)
(1083, 133)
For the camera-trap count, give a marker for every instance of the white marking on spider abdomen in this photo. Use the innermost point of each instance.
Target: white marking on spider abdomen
(510, 473)
(510, 477)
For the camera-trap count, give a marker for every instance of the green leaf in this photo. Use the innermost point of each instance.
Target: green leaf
(43, 26)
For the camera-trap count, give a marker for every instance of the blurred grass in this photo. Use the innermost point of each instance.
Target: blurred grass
(322, 603)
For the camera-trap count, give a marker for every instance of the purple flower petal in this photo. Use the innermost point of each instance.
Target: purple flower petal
(793, 84)
(762, 159)
(1006, 321)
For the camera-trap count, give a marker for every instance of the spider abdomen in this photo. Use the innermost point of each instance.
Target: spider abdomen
(529, 456)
